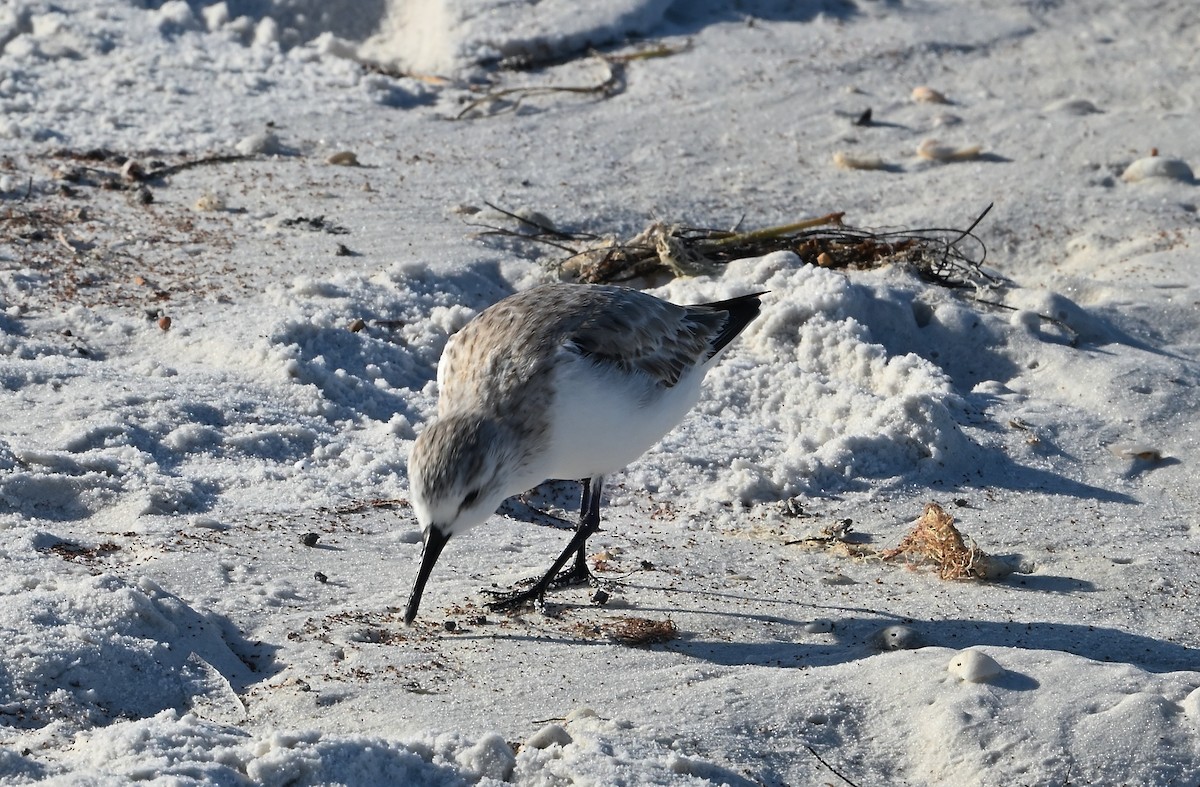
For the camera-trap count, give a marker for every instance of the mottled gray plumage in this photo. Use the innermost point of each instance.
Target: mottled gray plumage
(560, 381)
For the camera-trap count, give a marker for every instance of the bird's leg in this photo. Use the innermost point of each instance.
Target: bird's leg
(589, 523)
(589, 519)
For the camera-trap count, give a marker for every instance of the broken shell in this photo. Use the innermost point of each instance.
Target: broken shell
(847, 161)
(927, 95)
(974, 666)
(209, 202)
(932, 150)
(1136, 451)
(343, 158)
(1156, 167)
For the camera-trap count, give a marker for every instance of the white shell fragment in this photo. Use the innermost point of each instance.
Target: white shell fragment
(548, 736)
(1143, 452)
(845, 160)
(927, 95)
(1158, 167)
(996, 567)
(897, 638)
(209, 202)
(932, 150)
(974, 666)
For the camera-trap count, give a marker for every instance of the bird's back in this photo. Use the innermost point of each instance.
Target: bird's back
(504, 357)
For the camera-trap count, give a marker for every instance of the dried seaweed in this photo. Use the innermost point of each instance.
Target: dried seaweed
(933, 541)
(945, 256)
(636, 632)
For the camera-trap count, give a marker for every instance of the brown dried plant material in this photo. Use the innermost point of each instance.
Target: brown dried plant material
(636, 632)
(935, 540)
(945, 256)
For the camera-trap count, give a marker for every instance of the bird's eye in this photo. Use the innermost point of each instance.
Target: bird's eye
(469, 499)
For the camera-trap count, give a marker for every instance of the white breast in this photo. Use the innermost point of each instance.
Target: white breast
(602, 419)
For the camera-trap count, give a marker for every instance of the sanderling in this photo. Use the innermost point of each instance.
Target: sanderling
(569, 381)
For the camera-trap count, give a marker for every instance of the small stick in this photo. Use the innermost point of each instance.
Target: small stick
(608, 86)
(535, 238)
(540, 227)
(662, 50)
(163, 172)
(775, 232)
(974, 224)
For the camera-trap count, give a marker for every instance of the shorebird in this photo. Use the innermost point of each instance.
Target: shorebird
(569, 381)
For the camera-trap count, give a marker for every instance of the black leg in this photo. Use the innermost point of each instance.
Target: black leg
(589, 523)
(589, 518)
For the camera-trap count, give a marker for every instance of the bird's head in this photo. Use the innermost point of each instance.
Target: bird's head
(458, 473)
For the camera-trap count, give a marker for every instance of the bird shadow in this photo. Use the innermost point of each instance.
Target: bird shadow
(858, 637)
(859, 634)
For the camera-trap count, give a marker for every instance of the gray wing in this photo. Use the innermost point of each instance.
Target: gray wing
(498, 357)
(636, 331)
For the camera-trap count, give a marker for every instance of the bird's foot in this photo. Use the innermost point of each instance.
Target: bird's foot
(575, 575)
(533, 592)
(505, 600)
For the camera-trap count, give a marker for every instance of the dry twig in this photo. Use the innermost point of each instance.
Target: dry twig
(510, 99)
(949, 257)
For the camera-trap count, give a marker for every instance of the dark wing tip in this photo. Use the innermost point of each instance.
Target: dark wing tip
(740, 310)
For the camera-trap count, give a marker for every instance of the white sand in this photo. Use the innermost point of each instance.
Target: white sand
(162, 620)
